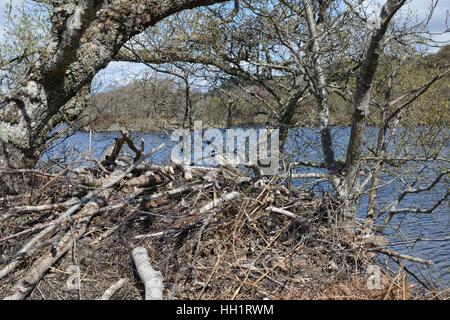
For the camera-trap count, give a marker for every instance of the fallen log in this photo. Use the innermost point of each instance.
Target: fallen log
(152, 280)
(147, 180)
(110, 182)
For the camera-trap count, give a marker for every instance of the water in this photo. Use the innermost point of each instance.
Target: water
(303, 144)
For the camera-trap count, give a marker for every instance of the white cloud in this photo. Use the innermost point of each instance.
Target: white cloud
(118, 74)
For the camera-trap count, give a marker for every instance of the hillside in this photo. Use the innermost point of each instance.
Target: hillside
(160, 103)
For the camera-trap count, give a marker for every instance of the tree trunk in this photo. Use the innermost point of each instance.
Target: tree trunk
(286, 117)
(320, 85)
(187, 119)
(350, 183)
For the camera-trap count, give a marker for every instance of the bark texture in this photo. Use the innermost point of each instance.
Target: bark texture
(349, 188)
(364, 86)
(153, 280)
(319, 80)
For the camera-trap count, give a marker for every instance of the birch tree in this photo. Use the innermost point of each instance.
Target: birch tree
(317, 49)
(85, 36)
(283, 53)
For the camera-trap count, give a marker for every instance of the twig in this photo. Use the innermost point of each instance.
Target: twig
(107, 295)
(284, 212)
(44, 207)
(404, 256)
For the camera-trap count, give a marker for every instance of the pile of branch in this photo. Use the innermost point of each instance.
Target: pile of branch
(188, 233)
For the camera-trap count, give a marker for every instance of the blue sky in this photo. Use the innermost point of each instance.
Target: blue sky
(121, 73)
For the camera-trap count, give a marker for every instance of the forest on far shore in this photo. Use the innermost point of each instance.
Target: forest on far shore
(154, 102)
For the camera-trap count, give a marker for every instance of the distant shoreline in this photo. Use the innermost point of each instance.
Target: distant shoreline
(256, 126)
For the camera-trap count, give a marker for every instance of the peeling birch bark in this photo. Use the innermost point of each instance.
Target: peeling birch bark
(320, 82)
(152, 280)
(216, 203)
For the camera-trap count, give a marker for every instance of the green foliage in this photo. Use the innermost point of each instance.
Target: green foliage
(157, 103)
(432, 107)
(25, 32)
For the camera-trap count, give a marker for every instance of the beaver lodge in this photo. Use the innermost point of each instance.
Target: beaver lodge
(128, 229)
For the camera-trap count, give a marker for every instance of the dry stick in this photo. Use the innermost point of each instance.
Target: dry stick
(130, 143)
(145, 167)
(228, 165)
(153, 235)
(393, 283)
(112, 181)
(216, 266)
(217, 202)
(112, 157)
(56, 223)
(104, 235)
(59, 175)
(224, 199)
(404, 256)
(21, 254)
(107, 295)
(402, 266)
(153, 197)
(284, 212)
(153, 280)
(44, 207)
(40, 267)
(24, 287)
(210, 206)
(253, 264)
(176, 191)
